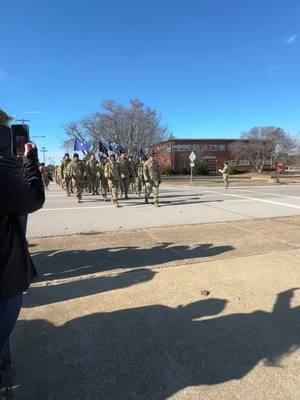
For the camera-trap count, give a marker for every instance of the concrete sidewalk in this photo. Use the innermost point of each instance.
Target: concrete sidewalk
(196, 312)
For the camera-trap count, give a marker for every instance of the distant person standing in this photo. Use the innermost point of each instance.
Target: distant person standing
(225, 174)
(152, 177)
(76, 170)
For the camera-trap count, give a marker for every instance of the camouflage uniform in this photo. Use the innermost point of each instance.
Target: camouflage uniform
(103, 180)
(140, 177)
(132, 182)
(92, 170)
(65, 176)
(76, 171)
(125, 177)
(113, 175)
(57, 174)
(152, 177)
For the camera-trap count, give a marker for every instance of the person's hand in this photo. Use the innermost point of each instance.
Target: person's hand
(28, 148)
(31, 152)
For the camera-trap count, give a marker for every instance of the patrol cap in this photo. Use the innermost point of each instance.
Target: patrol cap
(67, 155)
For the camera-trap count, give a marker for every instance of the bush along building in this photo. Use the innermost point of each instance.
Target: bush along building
(173, 156)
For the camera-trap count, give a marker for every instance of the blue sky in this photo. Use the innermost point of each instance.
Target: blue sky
(213, 68)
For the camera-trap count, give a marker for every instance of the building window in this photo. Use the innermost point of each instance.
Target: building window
(240, 163)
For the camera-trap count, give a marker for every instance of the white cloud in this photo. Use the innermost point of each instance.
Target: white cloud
(292, 39)
(33, 112)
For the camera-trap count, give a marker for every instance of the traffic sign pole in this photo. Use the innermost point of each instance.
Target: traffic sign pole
(192, 158)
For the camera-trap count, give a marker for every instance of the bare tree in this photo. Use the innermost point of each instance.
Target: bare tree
(133, 127)
(262, 144)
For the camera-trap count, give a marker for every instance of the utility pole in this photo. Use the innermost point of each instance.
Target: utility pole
(23, 120)
(44, 151)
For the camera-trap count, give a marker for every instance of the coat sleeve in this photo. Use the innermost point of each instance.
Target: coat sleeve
(22, 195)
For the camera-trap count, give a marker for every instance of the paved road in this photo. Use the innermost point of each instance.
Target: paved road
(62, 215)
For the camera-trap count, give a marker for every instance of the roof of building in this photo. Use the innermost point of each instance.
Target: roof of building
(196, 140)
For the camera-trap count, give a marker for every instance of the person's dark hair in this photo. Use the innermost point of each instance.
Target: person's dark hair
(4, 118)
(75, 155)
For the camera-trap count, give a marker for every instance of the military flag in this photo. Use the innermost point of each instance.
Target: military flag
(81, 146)
(103, 149)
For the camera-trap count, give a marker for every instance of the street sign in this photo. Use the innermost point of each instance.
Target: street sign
(192, 164)
(192, 156)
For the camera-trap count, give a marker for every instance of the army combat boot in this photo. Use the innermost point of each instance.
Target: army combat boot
(146, 200)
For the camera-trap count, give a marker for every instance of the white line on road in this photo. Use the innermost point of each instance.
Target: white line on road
(137, 205)
(271, 194)
(277, 203)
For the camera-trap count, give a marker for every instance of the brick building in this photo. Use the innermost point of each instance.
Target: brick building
(174, 154)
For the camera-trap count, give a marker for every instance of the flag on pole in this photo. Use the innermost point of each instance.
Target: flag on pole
(81, 146)
(116, 148)
(103, 148)
(143, 155)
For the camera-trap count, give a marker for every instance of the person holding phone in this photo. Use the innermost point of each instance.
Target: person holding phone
(21, 193)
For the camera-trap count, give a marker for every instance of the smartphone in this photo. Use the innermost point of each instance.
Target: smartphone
(20, 135)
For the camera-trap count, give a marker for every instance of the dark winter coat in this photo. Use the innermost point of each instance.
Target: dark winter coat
(21, 192)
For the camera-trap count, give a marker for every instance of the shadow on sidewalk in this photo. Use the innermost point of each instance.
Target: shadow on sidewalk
(69, 263)
(151, 353)
(55, 293)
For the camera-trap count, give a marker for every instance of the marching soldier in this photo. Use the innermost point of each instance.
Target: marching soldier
(92, 170)
(57, 175)
(140, 176)
(65, 177)
(103, 179)
(76, 171)
(125, 175)
(113, 175)
(152, 177)
(132, 182)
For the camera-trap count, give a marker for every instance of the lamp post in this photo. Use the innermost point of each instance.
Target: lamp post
(44, 151)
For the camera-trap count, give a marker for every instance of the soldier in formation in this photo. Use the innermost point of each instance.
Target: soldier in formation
(66, 179)
(76, 171)
(113, 175)
(92, 175)
(152, 177)
(132, 181)
(103, 179)
(140, 176)
(125, 175)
